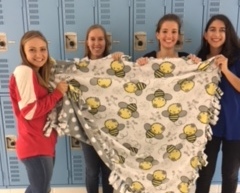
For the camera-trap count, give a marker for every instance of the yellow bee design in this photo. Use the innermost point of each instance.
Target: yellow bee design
(154, 131)
(158, 177)
(146, 163)
(82, 65)
(135, 186)
(197, 161)
(203, 66)
(127, 110)
(134, 87)
(173, 152)
(75, 89)
(184, 185)
(204, 115)
(95, 105)
(112, 127)
(190, 132)
(185, 85)
(102, 82)
(164, 69)
(174, 112)
(134, 150)
(212, 87)
(118, 68)
(159, 98)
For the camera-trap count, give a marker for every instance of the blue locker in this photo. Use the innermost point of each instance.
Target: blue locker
(45, 15)
(114, 16)
(146, 14)
(231, 9)
(15, 169)
(238, 21)
(11, 30)
(77, 163)
(190, 13)
(77, 17)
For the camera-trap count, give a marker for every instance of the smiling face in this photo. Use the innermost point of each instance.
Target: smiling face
(36, 52)
(168, 34)
(216, 35)
(96, 43)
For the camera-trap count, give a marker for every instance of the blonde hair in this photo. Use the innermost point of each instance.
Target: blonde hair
(43, 73)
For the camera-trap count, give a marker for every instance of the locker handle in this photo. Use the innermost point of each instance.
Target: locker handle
(115, 41)
(150, 41)
(10, 142)
(81, 41)
(188, 40)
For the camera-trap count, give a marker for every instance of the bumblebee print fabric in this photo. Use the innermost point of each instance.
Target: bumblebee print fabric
(149, 124)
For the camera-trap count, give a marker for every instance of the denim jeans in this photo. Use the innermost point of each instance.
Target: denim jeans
(94, 167)
(230, 165)
(39, 171)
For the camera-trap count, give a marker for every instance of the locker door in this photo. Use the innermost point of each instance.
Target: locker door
(2, 153)
(11, 30)
(212, 7)
(78, 15)
(15, 169)
(77, 162)
(44, 15)
(114, 16)
(230, 8)
(145, 18)
(191, 13)
(238, 21)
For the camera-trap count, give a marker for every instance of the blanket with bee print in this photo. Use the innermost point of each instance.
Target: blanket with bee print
(149, 124)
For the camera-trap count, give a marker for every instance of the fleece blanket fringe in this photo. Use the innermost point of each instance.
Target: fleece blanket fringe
(149, 124)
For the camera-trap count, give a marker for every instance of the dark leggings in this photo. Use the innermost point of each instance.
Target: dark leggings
(230, 165)
(94, 167)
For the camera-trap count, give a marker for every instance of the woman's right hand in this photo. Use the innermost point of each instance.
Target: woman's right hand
(62, 87)
(142, 61)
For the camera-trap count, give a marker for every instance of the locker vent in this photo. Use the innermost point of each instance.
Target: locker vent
(105, 12)
(1, 13)
(33, 12)
(213, 7)
(4, 74)
(8, 117)
(140, 14)
(178, 8)
(14, 169)
(69, 12)
(78, 168)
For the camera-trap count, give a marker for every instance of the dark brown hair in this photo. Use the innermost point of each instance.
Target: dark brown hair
(170, 17)
(231, 46)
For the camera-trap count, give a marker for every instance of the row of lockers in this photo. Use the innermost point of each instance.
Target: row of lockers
(131, 27)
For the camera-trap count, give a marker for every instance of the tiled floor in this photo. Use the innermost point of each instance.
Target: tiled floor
(214, 189)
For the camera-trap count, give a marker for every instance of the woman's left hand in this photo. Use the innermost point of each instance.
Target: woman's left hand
(221, 62)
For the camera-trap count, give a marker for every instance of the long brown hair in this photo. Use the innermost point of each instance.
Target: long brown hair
(43, 73)
(87, 50)
(231, 46)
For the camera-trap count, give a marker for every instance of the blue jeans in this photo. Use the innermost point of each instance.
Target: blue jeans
(94, 167)
(230, 165)
(39, 171)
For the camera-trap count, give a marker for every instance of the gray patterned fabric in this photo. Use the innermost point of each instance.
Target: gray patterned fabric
(149, 124)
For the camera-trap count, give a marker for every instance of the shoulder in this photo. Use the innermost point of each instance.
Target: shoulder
(183, 54)
(23, 74)
(22, 70)
(151, 54)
